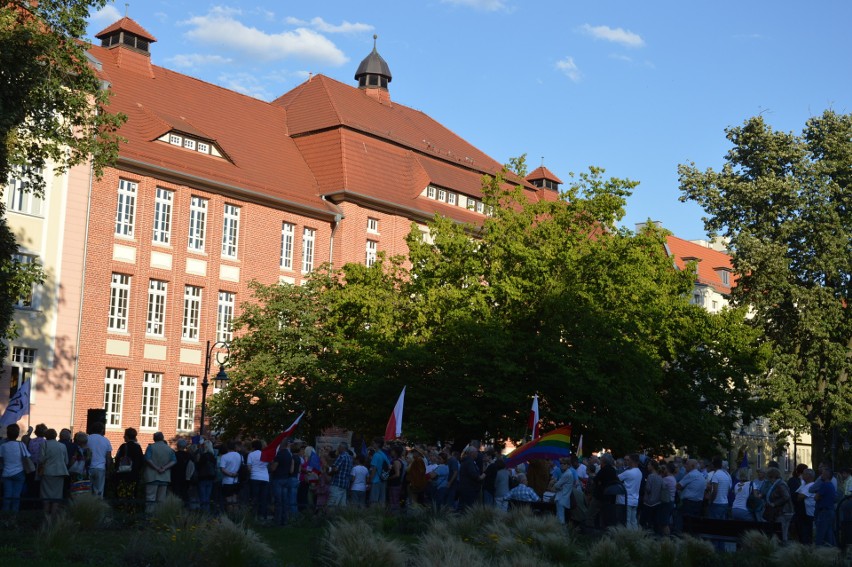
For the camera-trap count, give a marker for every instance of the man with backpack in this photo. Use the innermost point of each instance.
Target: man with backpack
(379, 473)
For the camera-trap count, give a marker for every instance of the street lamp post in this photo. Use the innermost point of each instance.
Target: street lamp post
(221, 376)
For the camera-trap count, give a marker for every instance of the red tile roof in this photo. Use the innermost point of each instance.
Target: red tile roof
(262, 159)
(542, 172)
(710, 262)
(126, 24)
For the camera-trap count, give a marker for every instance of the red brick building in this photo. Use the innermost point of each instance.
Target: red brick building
(214, 189)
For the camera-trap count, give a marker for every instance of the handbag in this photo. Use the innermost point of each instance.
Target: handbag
(26, 462)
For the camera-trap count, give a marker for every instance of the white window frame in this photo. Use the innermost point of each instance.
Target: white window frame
(163, 216)
(308, 240)
(203, 147)
(372, 249)
(230, 231)
(125, 211)
(197, 223)
(452, 197)
(191, 312)
(155, 322)
(480, 207)
(430, 191)
(288, 237)
(372, 225)
(189, 143)
(19, 198)
(186, 403)
(442, 195)
(725, 276)
(224, 316)
(114, 395)
(21, 367)
(175, 140)
(119, 302)
(149, 412)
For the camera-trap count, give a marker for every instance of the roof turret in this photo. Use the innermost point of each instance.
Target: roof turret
(373, 72)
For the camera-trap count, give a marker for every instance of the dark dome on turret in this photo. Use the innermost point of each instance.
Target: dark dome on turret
(373, 72)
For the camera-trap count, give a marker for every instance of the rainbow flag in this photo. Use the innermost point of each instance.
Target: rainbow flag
(553, 445)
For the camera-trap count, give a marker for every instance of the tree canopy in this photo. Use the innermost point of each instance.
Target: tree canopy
(784, 201)
(52, 112)
(544, 297)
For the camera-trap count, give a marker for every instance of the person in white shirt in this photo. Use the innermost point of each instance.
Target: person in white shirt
(101, 450)
(229, 464)
(720, 486)
(632, 479)
(258, 480)
(359, 482)
(805, 515)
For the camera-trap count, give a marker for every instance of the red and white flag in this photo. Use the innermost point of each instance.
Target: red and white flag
(534, 426)
(394, 428)
(267, 455)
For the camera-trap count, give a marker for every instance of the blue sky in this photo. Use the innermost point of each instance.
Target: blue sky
(634, 87)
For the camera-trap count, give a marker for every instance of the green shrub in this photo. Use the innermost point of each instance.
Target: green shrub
(605, 553)
(58, 536)
(356, 544)
(226, 544)
(89, 511)
(433, 548)
(806, 556)
(168, 511)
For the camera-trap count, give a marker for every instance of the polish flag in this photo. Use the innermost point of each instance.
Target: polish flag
(394, 428)
(267, 455)
(533, 424)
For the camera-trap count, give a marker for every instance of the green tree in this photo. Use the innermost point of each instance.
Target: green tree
(784, 201)
(52, 111)
(541, 298)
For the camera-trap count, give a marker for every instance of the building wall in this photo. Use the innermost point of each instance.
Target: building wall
(258, 258)
(56, 236)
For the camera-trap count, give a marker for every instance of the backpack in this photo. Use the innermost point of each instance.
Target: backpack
(206, 468)
(244, 473)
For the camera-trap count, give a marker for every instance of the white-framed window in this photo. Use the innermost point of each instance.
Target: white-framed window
(19, 198)
(452, 197)
(203, 148)
(150, 412)
(163, 216)
(308, 238)
(113, 395)
(186, 403)
(698, 299)
(156, 321)
(480, 208)
(189, 143)
(230, 231)
(175, 140)
(287, 235)
(191, 312)
(23, 363)
(126, 209)
(197, 223)
(442, 195)
(225, 314)
(726, 277)
(372, 225)
(119, 299)
(430, 192)
(26, 299)
(372, 247)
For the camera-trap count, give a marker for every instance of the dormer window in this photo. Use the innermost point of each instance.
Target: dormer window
(725, 276)
(190, 143)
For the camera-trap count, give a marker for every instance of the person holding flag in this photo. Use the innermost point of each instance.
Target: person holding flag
(18, 406)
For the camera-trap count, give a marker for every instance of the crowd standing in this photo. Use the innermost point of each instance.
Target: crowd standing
(639, 491)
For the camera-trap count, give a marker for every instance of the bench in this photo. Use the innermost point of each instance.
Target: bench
(727, 531)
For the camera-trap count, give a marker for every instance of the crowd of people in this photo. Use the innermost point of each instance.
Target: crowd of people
(598, 492)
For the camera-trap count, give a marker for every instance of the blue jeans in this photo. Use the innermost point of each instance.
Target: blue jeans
(293, 495)
(281, 497)
(824, 523)
(13, 486)
(717, 511)
(205, 489)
